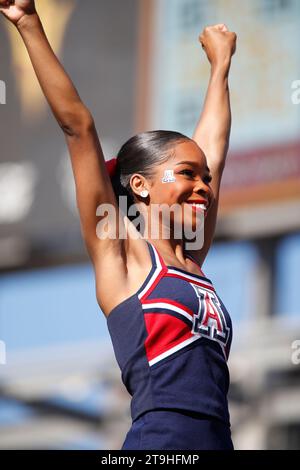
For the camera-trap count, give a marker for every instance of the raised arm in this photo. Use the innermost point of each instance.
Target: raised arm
(92, 182)
(213, 129)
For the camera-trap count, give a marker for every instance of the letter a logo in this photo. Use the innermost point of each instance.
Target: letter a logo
(210, 320)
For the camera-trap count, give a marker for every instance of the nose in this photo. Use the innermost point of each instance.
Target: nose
(203, 189)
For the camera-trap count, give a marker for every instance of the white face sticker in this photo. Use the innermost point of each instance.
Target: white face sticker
(168, 177)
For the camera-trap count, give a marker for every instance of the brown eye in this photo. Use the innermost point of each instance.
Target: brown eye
(187, 172)
(208, 179)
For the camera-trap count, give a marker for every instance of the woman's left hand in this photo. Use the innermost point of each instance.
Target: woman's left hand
(219, 44)
(15, 10)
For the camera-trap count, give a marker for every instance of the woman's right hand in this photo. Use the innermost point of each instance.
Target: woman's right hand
(15, 10)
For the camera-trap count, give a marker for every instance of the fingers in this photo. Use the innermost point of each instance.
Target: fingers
(219, 27)
(222, 27)
(225, 29)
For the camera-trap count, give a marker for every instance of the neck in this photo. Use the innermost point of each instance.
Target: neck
(168, 242)
(170, 249)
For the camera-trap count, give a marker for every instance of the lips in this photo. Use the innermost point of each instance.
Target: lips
(199, 204)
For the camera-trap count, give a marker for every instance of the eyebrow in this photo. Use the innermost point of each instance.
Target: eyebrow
(184, 162)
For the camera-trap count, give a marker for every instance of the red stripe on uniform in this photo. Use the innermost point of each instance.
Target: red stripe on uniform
(164, 332)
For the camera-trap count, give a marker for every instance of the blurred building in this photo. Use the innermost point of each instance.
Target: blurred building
(61, 387)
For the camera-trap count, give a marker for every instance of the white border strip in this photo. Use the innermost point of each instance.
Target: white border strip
(191, 277)
(149, 306)
(155, 274)
(173, 350)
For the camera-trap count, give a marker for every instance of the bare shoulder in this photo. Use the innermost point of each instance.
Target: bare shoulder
(121, 271)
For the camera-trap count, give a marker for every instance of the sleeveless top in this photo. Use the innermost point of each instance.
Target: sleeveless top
(171, 341)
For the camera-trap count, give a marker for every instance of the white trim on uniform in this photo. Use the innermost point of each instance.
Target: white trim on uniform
(173, 350)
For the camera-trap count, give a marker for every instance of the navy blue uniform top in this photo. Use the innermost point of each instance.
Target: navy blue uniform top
(171, 340)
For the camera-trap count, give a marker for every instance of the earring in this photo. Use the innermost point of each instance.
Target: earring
(144, 193)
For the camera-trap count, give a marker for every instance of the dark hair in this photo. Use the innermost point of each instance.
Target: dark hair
(140, 154)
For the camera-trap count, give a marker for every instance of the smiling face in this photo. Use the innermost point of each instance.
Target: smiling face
(189, 167)
(183, 180)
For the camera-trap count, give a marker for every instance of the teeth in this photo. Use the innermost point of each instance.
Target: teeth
(201, 206)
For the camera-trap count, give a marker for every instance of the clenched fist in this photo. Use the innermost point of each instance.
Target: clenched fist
(219, 44)
(14, 10)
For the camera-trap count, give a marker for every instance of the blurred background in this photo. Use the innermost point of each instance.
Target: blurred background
(137, 64)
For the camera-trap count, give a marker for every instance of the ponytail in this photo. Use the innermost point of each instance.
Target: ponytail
(114, 172)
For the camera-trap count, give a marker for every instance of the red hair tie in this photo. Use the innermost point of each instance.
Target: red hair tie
(111, 166)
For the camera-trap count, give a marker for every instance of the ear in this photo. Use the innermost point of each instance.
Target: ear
(138, 183)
